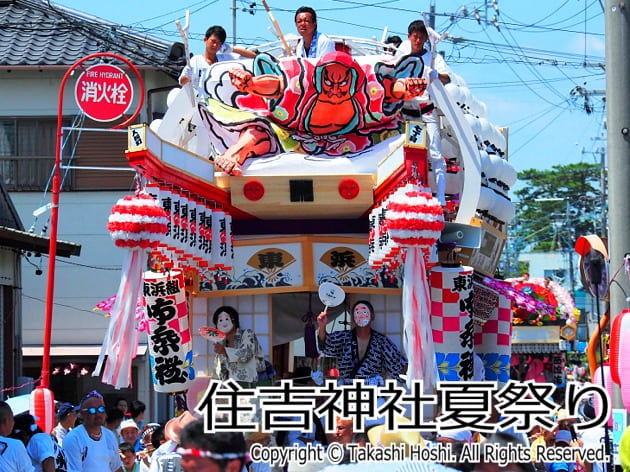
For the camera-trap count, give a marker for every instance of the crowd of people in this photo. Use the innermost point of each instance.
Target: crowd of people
(183, 445)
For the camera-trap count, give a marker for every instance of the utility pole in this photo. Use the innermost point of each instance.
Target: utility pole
(233, 22)
(617, 16)
(432, 14)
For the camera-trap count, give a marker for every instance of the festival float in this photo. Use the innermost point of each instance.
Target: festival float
(544, 319)
(269, 195)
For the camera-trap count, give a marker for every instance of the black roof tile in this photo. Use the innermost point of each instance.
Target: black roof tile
(41, 33)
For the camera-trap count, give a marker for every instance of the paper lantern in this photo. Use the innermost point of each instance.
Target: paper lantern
(620, 327)
(42, 407)
(493, 341)
(620, 355)
(170, 341)
(414, 218)
(451, 321)
(597, 379)
(137, 221)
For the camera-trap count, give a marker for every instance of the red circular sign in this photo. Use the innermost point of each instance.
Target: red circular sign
(254, 190)
(104, 92)
(349, 188)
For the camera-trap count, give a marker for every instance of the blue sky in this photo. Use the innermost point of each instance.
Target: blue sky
(524, 70)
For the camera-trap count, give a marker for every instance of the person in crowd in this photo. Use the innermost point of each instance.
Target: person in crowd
(303, 376)
(312, 43)
(14, 457)
(216, 50)
(504, 440)
(152, 437)
(204, 452)
(592, 437)
(361, 353)
(239, 353)
(423, 107)
(130, 433)
(128, 457)
(113, 421)
(165, 459)
(562, 439)
(137, 410)
(122, 405)
(66, 419)
(264, 439)
(46, 455)
(91, 446)
(394, 42)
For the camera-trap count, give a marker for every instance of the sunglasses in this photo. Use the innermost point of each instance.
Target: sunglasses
(93, 411)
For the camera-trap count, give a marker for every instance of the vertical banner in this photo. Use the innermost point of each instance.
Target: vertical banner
(229, 244)
(493, 341)
(170, 342)
(219, 254)
(452, 322)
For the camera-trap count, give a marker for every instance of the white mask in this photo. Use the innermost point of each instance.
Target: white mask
(224, 322)
(362, 315)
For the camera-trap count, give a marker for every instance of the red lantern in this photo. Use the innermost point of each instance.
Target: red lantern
(42, 407)
(620, 327)
(414, 218)
(137, 221)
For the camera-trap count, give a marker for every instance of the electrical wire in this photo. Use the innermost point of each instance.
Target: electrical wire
(82, 310)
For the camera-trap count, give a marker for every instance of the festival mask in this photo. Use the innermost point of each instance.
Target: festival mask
(362, 315)
(224, 322)
(336, 82)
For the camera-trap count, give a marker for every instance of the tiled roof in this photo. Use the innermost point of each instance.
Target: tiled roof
(41, 33)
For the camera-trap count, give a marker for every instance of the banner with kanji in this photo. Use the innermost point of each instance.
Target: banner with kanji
(170, 342)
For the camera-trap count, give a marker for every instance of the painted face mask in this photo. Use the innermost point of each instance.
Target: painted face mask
(224, 322)
(362, 315)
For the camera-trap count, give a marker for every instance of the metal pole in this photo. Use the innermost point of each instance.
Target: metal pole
(54, 210)
(618, 142)
(432, 14)
(233, 22)
(52, 246)
(603, 220)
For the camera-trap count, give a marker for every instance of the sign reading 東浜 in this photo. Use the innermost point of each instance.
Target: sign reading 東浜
(104, 92)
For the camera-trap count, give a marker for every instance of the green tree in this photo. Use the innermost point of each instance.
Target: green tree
(553, 208)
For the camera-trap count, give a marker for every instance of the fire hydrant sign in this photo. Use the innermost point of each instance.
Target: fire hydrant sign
(104, 92)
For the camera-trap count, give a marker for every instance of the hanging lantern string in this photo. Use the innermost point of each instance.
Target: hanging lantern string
(30, 382)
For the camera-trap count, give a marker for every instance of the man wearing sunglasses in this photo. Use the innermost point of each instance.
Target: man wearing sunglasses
(92, 447)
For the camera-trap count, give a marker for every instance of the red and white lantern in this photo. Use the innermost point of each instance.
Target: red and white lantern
(414, 218)
(620, 355)
(137, 221)
(42, 407)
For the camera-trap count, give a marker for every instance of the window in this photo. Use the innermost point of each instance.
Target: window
(27, 152)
